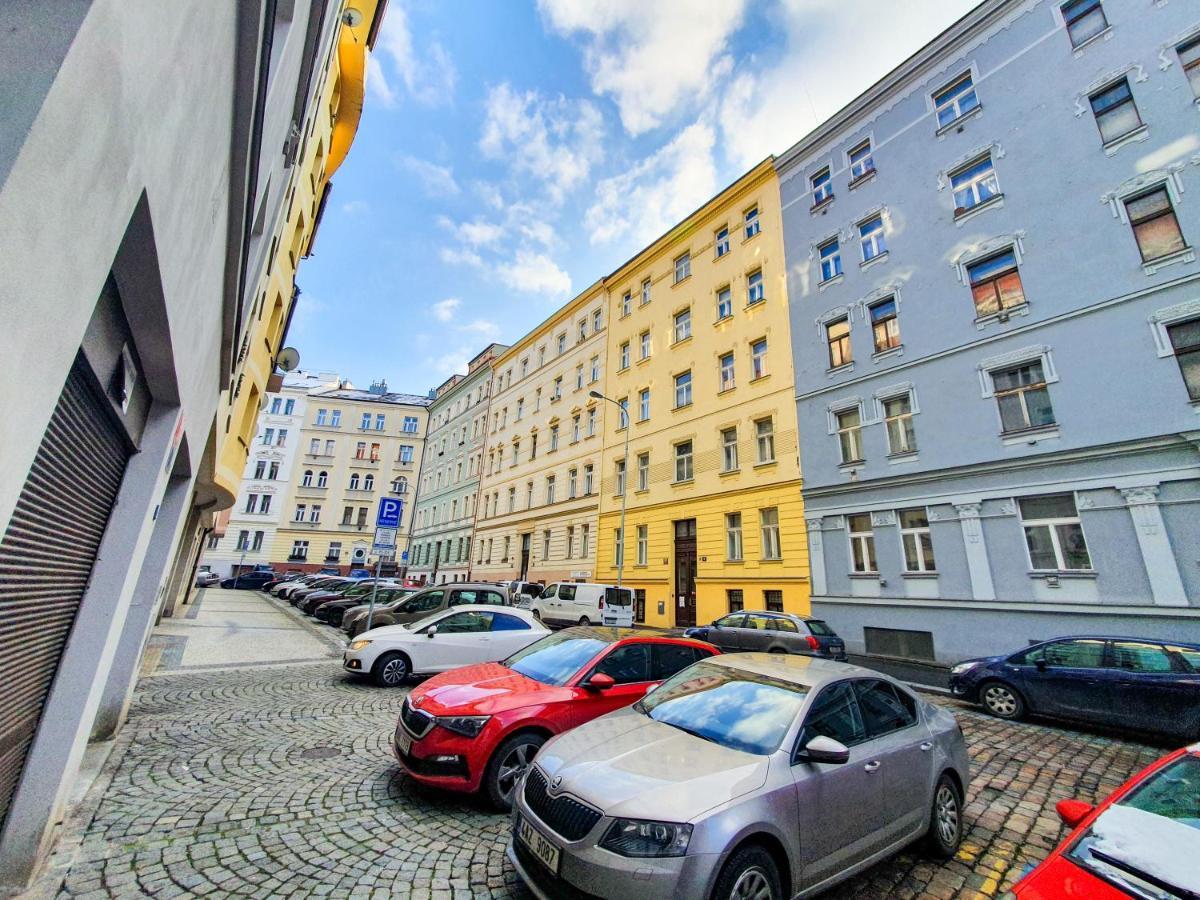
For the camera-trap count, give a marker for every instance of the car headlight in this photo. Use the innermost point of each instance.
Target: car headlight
(962, 667)
(359, 645)
(467, 726)
(638, 838)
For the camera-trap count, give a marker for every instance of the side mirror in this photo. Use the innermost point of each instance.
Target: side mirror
(1040, 665)
(430, 631)
(600, 682)
(1072, 812)
(716, 625)
(822, 749)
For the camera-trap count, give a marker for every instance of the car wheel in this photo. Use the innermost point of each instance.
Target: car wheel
(750, 874)
(391, 669)
(945, 820)
(584, 620)
(507, 765)
(1001, 700)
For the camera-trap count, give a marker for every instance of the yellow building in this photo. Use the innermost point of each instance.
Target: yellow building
(699, 354)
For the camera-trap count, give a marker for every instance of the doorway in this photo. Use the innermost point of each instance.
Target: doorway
(685, 573)
(526, 540)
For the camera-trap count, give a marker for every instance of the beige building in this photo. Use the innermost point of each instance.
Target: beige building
(356, 446)
(539, 493)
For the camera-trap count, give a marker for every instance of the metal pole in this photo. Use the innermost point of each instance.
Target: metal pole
(624, 495)
(241, 565)
(374, 591)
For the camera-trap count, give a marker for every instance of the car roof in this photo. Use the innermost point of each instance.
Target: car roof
(615, 635)
(810, 671)
(1114, 637)
(774, 613)
(491, 608)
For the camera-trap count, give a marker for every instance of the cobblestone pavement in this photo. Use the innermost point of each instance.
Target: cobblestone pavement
(278, 781)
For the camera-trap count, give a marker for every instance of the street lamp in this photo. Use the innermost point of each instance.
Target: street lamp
(625, 484)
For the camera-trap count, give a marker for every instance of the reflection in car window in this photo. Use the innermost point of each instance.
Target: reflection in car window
(782, 624)
(1071, 654)
(501, 622)
(882, 708)
(465, 623)
(667, 659)
(740, 710)
(550, 592)
(626, 665)
(566, 592)
(1133, 656)
(835, 714)
(734, 621)
(555, 659)
(423, 602)
(759, 622)
(1191, 657)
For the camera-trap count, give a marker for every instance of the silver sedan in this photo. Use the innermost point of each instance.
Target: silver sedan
(747, 776)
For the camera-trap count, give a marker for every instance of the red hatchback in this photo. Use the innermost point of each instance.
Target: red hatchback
(1143, 841)
(479, 727)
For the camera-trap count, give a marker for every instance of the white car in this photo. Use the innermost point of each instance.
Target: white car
(583, 603)
(455, 637)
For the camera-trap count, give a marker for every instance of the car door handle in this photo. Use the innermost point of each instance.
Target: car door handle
(927, 746)
(871, 766)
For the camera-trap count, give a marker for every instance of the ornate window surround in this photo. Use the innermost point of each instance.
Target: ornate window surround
(843, 405)
(984, 248)
(1035, 353)
(1160, 319)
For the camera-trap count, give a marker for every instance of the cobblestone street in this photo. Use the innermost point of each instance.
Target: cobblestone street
(271, 781)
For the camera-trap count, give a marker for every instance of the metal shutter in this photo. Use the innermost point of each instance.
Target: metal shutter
(46, 559)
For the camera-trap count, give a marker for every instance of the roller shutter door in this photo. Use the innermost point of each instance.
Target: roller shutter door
(46, 559)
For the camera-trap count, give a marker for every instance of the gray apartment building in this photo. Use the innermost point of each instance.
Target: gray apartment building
(448, 489)
(996, 326)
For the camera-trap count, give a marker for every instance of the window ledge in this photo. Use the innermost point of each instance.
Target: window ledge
(725, 472)
(844, 369)
(896, 459)
(746, 240)
(681, 407)
(898, 350)
(1186, 255)
(554, 400)
(1139, 134)
(877, 258)
(642, 361)
(1105, 35)
(766, 464)
(852, 464)
(625, 315)
(775, 560)
(996, 201)
(755, 305)
(760, 378)
(930, 575)
(822, 206)
(735, 562)
(1062, 573)
(836, 279)
(1030, 435)
(1001, 317)
(862, 179)
(727, 390)
(681, 342)
(685, 483)
(957, 124)
(678, 281)
(865, 576)
(639, 491)
(724, 319)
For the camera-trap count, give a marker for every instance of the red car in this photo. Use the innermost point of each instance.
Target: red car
(1142, 842)
(479, 727)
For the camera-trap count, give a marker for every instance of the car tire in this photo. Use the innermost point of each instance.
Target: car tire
(1002, 700)
(747, 873)
(945, 819)
(584, 620)
(507, 765)
(777, 650)
(391, 669)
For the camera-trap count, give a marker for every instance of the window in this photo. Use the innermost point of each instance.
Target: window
(406, 453)
(557, 393)
(822, 187)
(643, 471)
(584, 531)
(570, 541)
(582, 330)
(1023, 397)
(733, 536)
(306, 481)
(862, 163)
(314, 514)
(354, 481)
(683, 461)
(1185, 341)
(758, 359)
(348, 515)
(683, 267)
(366, 422)
(618, 548)
(528, 495)
(871, 234)
(729, 450)
(273, 472)
(643, 404)
(897, 413)
(884, 708)
(1189, 58)
(751, 222)
(322, 415)
(626, 303)
(996, 284)
(554, 437)
(645, 291)
(643, 544)
(562, 343)
(299, 550)
(587, 479)
(1054, 534)
(1136, 656)
(1116, 113)
(916, 540)
(765, 433)
(862, 543)
(683, 325)
(736, 604)
(575, 434)
(773, 601)
(594, 374)
(885, 325)
(1154, 224)
(400, 486)
(374, 453)
(258, 535)
(281, 440)
(1084, 20)
(624, 355)
(973, 184)
(314, 449)
(644, 340)
(368, 482)
(849, 429)
(831, 260)
(329, 445)
(683, 389)
(243, 541)
(724, 303)
(955, 100)
(754, 288)
(512, 498)
(721, 242)
(837, 338)
(521, 401)
(360, 450)
(725, 368)
(269, 436)
(362, 516)
(546, 544)
(301, 509)
(572, 483)
(578, 384)
(620, 470)
(410, 425)
(768, 521)
(336, 418)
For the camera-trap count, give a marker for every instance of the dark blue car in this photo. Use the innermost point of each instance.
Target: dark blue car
(1118, 681)
(249, 581)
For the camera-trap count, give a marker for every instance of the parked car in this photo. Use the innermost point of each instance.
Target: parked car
(329, 570)
(478, 728)
(772, 632)
(332, 612)
(579, 603)
(427, 602)
(280, 580)
(1118, 681)
(295, 595)
(284, 591)
(207, 578)
(448, 639)
(360, 573)
(522, 593)
(313, 601)
(1142, 841)
(248, 581)
(745, 775)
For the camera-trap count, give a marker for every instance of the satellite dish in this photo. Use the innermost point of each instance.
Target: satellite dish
(352, 17)
(288, 359)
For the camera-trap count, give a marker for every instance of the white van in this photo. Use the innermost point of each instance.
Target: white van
(573, 603)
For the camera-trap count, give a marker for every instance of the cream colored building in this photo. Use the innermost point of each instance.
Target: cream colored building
(539, 493)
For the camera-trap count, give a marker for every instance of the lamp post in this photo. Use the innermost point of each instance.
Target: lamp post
(625, 484)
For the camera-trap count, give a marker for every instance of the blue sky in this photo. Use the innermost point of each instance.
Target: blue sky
(511, 153)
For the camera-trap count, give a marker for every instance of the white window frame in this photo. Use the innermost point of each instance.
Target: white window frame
(771, 547)
(688, 460)
(730, 382)
(915, 533)
(751, 222)
(643, 544)
(724, 299)
(729, 449)
(861, 168)
(866, 540)
(683, 266)
(755, 287)
(764, 442)
(873, 240)
(955, 102)
(833, 259)
(721, 241)
(683, 325)
(735, 550)
(1051, 524)
(822, 192)
(683, 389)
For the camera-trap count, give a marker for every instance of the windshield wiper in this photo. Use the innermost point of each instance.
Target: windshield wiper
(695, 733)
(1129, 868)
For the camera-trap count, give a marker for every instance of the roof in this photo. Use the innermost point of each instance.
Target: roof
(809, 671)
(367, 397)
(612, 634)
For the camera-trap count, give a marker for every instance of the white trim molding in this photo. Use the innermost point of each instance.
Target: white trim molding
(1034, 353)
(1168, 177)
(1168, 53)
(1081, 98)
(843, 405)
(992, 149)
(891, 392)
(981, 249)
(1160, 319)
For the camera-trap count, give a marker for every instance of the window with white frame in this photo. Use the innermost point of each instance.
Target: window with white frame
(862, 544)
(996, 284)
(623, 356)
(645, 291)
(916, 540)
(1115, 111)
(322, 415)
(643, 471)
(406, 453)
(721, 241)
(594, 371)
(724, 303)
(768, 523)
(885, 325)
(1023, 397)
(862, 163)
(368, 482)
(725, 367)
(623, 418)
(683, 325)
(314, 514)
(683, 461)
(243, 541)
(1054, 534)
(301, 509)
(643, 404)
(683, 389)
(306, 481)
(582, 330)
(849, 431)
(554, 436)
(314, 449)
(733, 536)
(758, 359)
(575, 429)
(955, 100)
(618, 548)
(1185, 342)
(335, 418)
(556, 394)
(683, 267)
(578, 382)
(764, 433)
(299, 550)
(591, 421)
(822, 187)
(897, 415)
(729, 450)
(831, 259)
(619, 469)
(379, 422)
(587, 479)
(644, 345)
(751, 222)
(1084, 20)
(755, 292)
(626, 303)
(258, 535)
(597, 320)
(322, 479)
(1155, 226)
(870, 234)
(837, 340)
(409, 425)
(1189, 58)
(643, 544)
(973, 184)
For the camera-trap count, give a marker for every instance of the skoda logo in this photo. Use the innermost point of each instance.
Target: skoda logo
(556, 783)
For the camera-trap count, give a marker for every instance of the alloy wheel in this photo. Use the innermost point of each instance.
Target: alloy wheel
(945, 805)
(512, 767)
(752, 884)
(394, 671)
(1000, 700)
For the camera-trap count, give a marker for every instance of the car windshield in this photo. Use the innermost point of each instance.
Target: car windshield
(816, 626)
(740, 710)
(555, 659)
(1151, 839)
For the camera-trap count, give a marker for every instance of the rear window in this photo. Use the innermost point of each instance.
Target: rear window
(618, 597)
(667, 659)
(816, 626)
(502, 622)
(1190, 655)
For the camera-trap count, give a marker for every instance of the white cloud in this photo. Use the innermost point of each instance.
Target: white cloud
(437, 180)
(480, 233)
(482, 327)
(645, 201)
(555, 141)
(429, 78)
(535, 273)
(444, 310)
(453, 257)
(450, 362)
(377, 84)
(356, 207)
(653, 57)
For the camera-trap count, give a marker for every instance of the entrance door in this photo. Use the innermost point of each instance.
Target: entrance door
(685, 573)
(525, 541)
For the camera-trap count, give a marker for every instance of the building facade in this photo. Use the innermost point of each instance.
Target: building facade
(356, 447)
(699, 356)
(995, 310)
(539, 491)
(444, 514)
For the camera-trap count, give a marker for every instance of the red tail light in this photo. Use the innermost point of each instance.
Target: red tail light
(602, 603)
(813, 642)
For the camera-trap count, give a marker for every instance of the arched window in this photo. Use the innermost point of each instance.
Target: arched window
(307, 478)
(354, 482)
(369, 482)
(322, 479)
(400, 485)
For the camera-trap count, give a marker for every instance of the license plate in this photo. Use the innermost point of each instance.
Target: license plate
(538, 845)
(403, 741)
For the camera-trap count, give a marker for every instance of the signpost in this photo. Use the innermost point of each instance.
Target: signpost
(387, 524)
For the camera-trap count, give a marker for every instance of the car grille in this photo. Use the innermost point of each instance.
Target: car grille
(566, 816)
(415, 722)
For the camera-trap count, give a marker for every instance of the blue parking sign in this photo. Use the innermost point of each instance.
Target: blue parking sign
(390, 510)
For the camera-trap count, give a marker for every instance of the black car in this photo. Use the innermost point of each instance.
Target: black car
(772, 632)
(249, 581)
(1125, 682)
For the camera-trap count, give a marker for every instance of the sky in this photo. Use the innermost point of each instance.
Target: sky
(512, 152)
